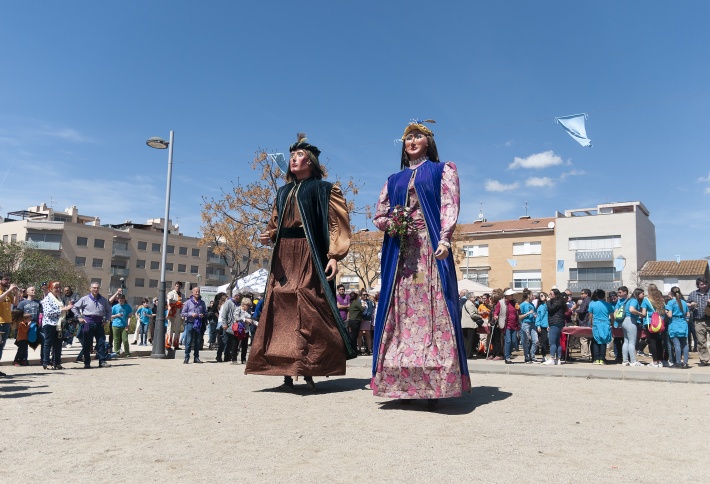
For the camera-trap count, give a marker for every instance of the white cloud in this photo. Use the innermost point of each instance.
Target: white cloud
(68, 134)
(574, 172)
(496, 186)
(539, 182)
(537, 161)
(707, 189)
(704, 179)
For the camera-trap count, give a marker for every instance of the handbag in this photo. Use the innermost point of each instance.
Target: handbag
(502, 314)
(707, 310)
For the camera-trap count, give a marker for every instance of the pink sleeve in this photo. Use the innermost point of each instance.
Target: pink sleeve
(382, 217)
(450, 199)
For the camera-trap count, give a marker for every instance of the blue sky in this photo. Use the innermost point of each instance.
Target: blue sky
(85, 83)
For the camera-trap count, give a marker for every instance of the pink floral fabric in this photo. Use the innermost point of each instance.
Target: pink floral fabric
(418, 356)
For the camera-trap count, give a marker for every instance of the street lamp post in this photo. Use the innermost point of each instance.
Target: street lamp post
(159, 334)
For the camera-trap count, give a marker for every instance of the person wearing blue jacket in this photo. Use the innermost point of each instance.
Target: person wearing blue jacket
(602, 315)
(677, 311)
(527, 327)
(542, 324)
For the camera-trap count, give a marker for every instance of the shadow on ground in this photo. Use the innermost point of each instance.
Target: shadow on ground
(478, 397)
(20, 387)
(323, 386)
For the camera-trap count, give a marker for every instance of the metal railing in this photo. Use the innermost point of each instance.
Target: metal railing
(116, 271)
(594, 255)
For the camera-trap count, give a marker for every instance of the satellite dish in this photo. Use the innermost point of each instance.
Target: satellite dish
(551, 225)
(619, 263)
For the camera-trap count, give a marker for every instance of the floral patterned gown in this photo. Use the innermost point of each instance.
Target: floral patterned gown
(418, 356)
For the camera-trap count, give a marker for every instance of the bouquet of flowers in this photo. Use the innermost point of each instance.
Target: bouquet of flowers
(402, 222)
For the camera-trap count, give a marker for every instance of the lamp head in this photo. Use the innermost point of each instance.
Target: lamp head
(158, 143)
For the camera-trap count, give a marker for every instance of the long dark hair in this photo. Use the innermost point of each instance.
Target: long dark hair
(675, 290)
(431, 152)
(215, 303)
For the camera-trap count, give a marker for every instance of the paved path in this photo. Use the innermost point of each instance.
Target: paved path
(579, 369)
(161, 421)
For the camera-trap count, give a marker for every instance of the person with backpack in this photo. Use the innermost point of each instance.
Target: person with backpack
(655, 324)
(633, 315)
(677, 311)
(601, 315)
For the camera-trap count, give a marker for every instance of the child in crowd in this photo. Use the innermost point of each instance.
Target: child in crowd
(144, 313)
(22, 320)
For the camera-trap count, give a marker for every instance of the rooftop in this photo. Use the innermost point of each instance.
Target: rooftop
(672, 268)
(523, 224)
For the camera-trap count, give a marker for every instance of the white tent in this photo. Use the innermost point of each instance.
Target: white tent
(254, 282)
(476, 288)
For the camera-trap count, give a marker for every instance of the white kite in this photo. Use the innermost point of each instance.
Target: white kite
(574, 125)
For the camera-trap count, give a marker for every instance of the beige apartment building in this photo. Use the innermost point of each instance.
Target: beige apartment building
(508, 253)
(118, 255)
(603, 247)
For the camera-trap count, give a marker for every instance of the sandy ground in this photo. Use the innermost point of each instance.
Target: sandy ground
(159, 421)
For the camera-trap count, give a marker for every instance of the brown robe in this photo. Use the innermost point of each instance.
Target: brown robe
(297, 334)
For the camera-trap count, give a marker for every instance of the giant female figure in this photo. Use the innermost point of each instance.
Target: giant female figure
(418, 348)
(300, 329)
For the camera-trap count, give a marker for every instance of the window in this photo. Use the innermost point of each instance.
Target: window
(120, 245)
(668, 283)
(82, 241)
(476, 275)
(5, 238)
(154, 265)
(182, 268)
(169, 266)
(96, 280)
(595, 243)
(140, 282)
(194, 269)
(80, 261)
(351, 283)
(265, 262)
(97, 263)
(44, 240)
(153, 283)
(168, 283)
(594, 274)
(99, 243)
(155, 247)
(171, 249)
(13, 238)
(183, 250)
(140, 263)
(195, 252)
(476, 250)
(529, 279)
(142, 245)
(245, 259)
(526, 248)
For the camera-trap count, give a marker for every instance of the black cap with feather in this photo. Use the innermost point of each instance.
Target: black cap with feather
(302, 144)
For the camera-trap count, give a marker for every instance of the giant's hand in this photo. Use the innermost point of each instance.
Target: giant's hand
(264, 238)
(331, 269)
(441, 252)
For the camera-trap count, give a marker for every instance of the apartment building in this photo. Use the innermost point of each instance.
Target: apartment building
(118, 255)
(508, 253)
(603, 247)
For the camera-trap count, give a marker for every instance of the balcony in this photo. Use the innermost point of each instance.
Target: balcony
(217, 277)
(603, 255)
(215, 259)
(123, 253)
(577, 286)
(45, 245)
(117, 271)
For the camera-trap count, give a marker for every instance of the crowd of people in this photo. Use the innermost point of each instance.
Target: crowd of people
(622, 325)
